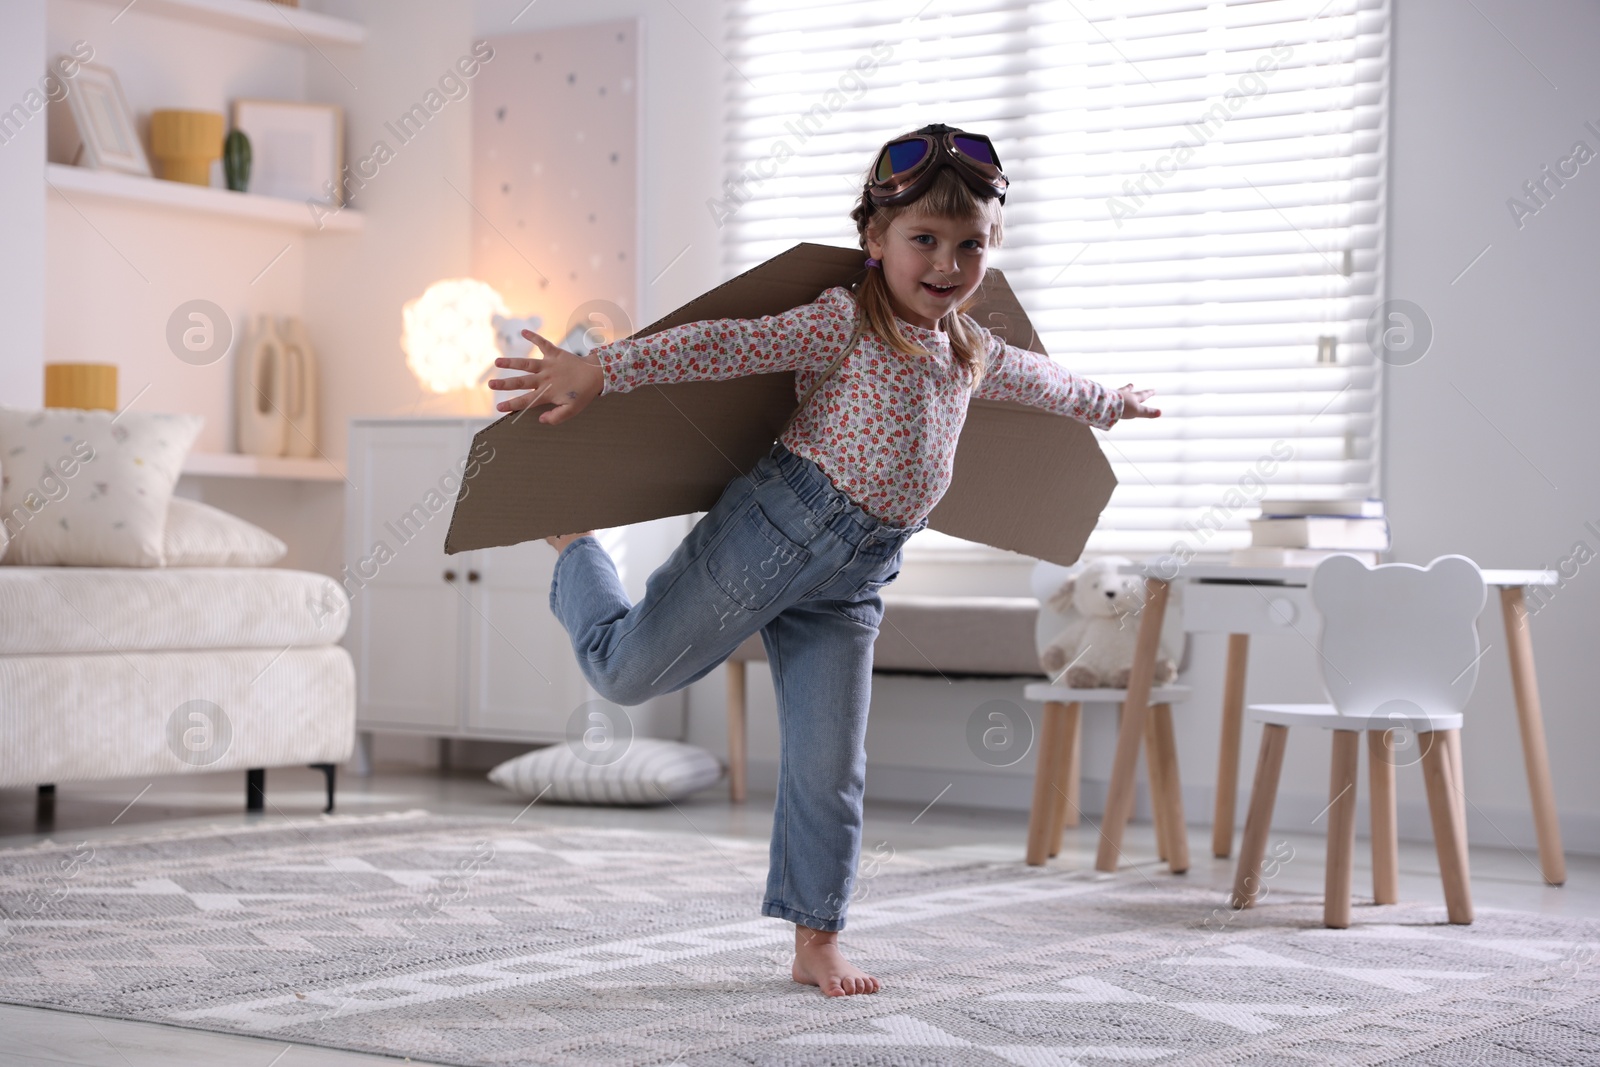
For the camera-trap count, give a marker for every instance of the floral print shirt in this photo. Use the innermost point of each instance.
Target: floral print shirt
(884, 426)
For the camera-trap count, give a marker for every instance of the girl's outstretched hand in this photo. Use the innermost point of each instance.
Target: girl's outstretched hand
(1133, 406)
(562, 378)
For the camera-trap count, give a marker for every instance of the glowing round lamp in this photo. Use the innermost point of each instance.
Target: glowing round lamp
(448, 334)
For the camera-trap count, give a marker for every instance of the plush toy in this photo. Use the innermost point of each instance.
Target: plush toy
(1089, 623)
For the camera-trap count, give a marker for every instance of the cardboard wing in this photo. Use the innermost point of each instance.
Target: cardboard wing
(1025, 480)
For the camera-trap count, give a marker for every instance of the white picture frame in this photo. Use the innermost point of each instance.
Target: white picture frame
(296, 149)
(105, 122)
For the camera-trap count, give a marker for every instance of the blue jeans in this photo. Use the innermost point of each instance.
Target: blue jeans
(785, 553)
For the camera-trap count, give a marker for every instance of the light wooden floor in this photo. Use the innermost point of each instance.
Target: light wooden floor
(1502, 878)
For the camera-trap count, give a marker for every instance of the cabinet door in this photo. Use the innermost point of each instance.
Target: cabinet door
(405, 592)
(522, 677)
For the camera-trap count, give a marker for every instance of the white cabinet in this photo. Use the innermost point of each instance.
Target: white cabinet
(462, 645)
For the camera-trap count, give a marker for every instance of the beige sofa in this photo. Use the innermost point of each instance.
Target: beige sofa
(144, 672)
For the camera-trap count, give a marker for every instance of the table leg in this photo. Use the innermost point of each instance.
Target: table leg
(1228, 751)
(1135, 710)
(1525, 684)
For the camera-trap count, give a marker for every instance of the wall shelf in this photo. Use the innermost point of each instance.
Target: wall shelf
(128, 188)
(238, 465)
(254, 18)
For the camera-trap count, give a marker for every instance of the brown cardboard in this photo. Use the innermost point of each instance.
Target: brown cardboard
(1025, 479)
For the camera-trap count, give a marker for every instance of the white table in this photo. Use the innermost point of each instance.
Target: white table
(1240, 601)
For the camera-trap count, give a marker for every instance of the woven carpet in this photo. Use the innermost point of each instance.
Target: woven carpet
(474, 941)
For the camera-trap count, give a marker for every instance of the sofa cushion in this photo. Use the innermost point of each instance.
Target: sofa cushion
(991, 635)
(113, 609)
(650, 771)
(89, 488)
(199, 535)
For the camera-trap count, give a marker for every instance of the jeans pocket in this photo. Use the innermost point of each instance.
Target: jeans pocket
(755, 561)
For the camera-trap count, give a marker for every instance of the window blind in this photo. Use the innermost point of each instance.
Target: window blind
(1197, 207)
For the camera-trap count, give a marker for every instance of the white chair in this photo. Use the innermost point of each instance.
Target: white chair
(1398, 651)
(1056, 774)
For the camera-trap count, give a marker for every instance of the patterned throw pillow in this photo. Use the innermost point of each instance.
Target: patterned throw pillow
(199, 535)
(651, 771)
(89, 488)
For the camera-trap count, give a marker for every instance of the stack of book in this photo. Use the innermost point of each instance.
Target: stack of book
(1301, 533)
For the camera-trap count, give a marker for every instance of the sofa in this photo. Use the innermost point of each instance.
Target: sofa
(144, 672)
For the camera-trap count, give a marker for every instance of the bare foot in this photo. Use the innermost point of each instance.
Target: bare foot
(818, 962)
(561, 541)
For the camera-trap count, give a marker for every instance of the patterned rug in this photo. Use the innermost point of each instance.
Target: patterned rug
(475, 941)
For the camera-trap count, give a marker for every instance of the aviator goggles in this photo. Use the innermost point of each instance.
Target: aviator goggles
(907, 165)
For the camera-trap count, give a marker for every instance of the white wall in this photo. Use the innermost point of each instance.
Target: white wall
(22, 34)
(1491, 440)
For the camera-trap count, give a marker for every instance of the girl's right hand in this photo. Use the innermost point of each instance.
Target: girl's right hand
(561, 378)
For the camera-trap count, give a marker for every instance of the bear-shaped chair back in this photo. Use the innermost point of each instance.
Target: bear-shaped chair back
(1398, 639)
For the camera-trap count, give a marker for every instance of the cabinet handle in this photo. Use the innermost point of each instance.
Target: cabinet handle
(449, 576)
(472, 576)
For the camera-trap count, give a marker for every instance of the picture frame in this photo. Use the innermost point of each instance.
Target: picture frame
(106, 126)
(296, 149)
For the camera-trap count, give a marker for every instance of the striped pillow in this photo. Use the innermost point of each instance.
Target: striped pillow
(651, 771)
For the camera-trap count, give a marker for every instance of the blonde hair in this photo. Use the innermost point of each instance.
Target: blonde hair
(947, 198)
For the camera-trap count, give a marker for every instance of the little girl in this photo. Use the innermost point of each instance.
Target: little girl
(800, 547)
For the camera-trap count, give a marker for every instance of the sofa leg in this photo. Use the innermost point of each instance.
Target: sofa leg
(255, 789)
(327, 770)
(45, 806)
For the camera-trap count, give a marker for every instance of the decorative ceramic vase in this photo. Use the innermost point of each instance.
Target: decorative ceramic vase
(236, 161)
(185, 143)
(299, 389)
(260, 426)
(81, 385)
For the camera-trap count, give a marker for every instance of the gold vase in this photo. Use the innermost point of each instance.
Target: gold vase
(185, 143)
(81, 385)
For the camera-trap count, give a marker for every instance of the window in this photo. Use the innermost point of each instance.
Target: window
(1197, 206)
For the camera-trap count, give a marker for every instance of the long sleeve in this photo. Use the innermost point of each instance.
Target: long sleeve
(1028, 378)
(806, 336)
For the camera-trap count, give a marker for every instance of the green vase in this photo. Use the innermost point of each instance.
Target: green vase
(236, 160)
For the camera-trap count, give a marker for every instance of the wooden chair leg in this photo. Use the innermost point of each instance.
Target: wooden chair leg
(1530, 719)
(1341, 828)
(1258, 820)
(736, 736)
(1136, 708)
(1074, 774)
(1166, 756)
(1158, 789)
(1451, 846)
(1044, 782)
(1459, 801)
(1385, 832)
(1228, 750)
(1065, 763)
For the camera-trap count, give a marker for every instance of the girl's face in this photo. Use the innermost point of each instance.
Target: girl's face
(932, 264)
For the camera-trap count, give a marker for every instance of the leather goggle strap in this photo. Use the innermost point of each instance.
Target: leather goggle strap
(844, 353)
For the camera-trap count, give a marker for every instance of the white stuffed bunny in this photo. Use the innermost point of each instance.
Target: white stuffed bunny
(1089, 624)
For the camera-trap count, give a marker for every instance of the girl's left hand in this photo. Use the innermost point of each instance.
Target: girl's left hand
(1133, 406)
